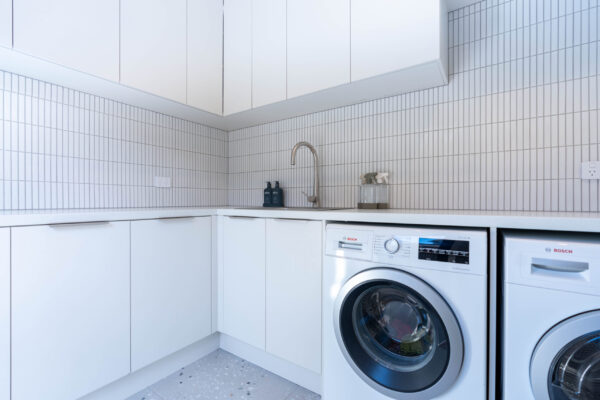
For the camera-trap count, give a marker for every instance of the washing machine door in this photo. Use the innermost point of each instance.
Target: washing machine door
(566, 362)
(398, 334)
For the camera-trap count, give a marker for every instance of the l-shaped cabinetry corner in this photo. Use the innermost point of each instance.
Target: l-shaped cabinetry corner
(85, 304)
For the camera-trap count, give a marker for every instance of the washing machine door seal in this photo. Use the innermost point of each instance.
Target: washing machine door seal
(398, 334)
(565, 364)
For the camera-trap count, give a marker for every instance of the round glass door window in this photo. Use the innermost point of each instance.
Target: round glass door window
(394, 336)
(575, 373)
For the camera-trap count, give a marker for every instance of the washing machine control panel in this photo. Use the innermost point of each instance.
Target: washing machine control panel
(444, 250)
(390, 249)
(454, 250)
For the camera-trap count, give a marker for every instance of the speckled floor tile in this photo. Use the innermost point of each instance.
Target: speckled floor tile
(303, 394)
(145, 394)
(220, 376)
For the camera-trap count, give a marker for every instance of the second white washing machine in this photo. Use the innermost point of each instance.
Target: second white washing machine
(551, 345)
(404, 313)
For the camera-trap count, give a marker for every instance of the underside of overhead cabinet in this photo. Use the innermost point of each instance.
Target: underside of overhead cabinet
(428, 75)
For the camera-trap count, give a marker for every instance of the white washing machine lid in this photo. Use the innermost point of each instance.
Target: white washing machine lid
(566, 362)
(398, 334)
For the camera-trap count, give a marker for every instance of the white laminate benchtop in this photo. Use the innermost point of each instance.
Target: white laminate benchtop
(560, 221)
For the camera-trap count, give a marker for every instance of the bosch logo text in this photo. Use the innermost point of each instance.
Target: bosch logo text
(563, 251)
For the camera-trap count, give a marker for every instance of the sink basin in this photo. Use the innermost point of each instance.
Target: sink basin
(292, 208)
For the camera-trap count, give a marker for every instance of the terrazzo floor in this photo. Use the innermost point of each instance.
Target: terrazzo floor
(221, 375)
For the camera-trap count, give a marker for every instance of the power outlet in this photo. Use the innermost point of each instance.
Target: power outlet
(590, 170)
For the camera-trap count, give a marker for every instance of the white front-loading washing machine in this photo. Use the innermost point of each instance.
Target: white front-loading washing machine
(551, 317)
(404, 313)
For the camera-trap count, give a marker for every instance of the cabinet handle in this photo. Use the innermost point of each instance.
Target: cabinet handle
(291, 220)
(75, 224)
(241, 217)
(167, 219)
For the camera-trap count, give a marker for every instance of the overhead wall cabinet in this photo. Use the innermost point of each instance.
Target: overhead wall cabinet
(70, 309)
(83, 35)
(205, 55)
(237, 59)
(170, 286)
(232, 63)
(153, 47)
(337, 53)
(5, 313)
(269, 50)
(318, 37)
(6, 23)
(389, 36)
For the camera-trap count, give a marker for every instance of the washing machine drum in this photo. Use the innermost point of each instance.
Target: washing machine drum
(398, 334)
(566, 362)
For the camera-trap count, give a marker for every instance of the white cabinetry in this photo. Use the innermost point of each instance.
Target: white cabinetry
(384, 35)
(318, 53)
(268, 52)
(153, 46)
(170, 286)
(4, 313)
(205, 55)
(244, 279)
(70, 309)
(83, 35)
(237, 68)
(294, 253)
(6, 23)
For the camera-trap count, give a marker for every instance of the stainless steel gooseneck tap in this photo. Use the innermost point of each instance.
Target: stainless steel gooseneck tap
(315, 197)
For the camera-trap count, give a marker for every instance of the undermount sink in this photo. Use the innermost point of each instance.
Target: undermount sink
(293, 208)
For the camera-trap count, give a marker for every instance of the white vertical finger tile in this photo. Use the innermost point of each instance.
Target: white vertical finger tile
(64, 149)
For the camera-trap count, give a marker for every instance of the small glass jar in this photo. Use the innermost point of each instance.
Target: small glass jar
(374, 196)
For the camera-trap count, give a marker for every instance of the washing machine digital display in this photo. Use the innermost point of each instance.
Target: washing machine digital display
(444, 250)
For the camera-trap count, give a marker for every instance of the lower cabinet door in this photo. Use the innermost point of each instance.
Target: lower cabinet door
(244, 279)
(170, 286)
(5, 313)
(70, 309)
(294, 254)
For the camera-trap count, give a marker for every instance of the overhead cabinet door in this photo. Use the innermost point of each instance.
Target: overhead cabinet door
(237, 68)
(268, 52)
(244, 279)
(70, 309)
(205, 55)
(318, 49)
(153, 47)
(392, 35)
(83, 35)
(170, 286)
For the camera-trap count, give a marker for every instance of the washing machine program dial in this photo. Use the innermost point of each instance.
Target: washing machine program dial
(391, 246)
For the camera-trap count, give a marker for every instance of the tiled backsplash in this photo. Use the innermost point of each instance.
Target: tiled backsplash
(64, 149)
(508, 133)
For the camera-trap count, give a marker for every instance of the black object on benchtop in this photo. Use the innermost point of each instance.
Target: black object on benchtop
(273, 197)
